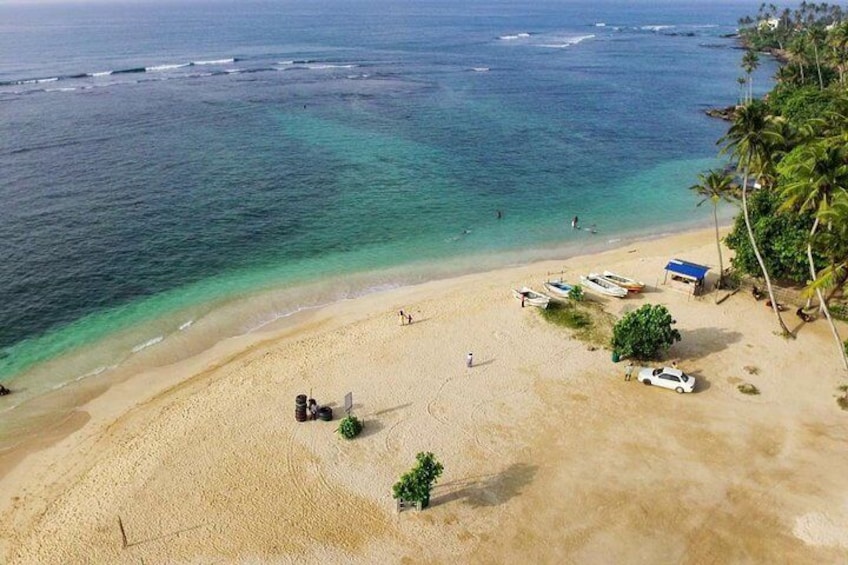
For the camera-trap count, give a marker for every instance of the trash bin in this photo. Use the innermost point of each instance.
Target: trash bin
(615, 357)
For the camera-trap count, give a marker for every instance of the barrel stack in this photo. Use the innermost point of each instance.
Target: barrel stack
(300, 408)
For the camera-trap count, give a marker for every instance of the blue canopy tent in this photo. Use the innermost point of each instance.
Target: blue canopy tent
(691, 274)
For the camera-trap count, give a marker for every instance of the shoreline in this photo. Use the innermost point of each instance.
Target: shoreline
(162, 427)
(96, 372)
(59, 411)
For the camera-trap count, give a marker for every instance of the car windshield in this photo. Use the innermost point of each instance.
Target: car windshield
(656, 372)
(685, 378)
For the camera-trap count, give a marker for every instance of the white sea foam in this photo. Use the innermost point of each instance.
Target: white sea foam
(328, 66)
(214, 62)
(656, 28)
(600, 24)
(101, 74)
(522, 35)
(156, 68)
(186, 325)
(65, 89)
(148, 343)
(285, 62)
(562, 43)
(480, 69)
(9, 409)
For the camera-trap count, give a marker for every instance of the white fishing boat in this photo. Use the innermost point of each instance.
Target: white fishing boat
(559, 288)
(632, 285)
(531, 297)
(597, 283)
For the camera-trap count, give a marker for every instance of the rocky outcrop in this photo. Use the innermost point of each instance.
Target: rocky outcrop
(727, 114)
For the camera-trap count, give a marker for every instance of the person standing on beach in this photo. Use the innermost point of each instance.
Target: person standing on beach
(469, 360)
(408, 319)
(574, 223)
(628, 371)
(402, 317)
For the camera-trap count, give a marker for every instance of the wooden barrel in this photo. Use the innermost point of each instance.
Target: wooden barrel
(300, 400)
(300, 415)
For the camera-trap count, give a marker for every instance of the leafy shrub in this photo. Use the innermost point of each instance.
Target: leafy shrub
(645, 333)
(576, 293)
(350, 427)
(415, 485)
(748, 388)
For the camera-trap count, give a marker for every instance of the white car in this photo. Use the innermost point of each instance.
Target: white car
(667, 377)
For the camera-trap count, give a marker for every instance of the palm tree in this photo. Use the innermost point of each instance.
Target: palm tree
(748, 139)
(838, 40)
(817, 36)
(797, 49)
(816, 174)
(716, 185)
(750, 62)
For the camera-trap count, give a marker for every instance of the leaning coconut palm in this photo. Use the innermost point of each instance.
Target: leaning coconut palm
(715, 185)
(815, 174)
(748, 139)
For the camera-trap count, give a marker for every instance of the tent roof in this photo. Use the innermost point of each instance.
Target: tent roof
(686, 269)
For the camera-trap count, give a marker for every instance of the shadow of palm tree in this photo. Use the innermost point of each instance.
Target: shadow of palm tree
(487, 490)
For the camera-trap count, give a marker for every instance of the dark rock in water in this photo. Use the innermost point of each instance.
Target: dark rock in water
(723, 113)
(4, 391)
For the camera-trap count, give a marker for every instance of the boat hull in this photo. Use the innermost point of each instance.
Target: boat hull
(531, 297)
(631, 285)
(558, 288)
(599, 285)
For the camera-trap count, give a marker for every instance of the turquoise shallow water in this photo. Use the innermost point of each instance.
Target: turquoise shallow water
(164, 163)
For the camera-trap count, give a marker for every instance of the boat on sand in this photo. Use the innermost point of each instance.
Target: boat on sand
(531, 297)
(558, 288)
(632, 285)
(597, 283)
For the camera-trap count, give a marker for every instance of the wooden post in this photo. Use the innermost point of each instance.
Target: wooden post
(123, 533)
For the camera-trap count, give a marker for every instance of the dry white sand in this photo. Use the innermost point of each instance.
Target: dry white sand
(549, 455)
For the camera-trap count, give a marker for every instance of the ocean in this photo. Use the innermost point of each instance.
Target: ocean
(176, 173)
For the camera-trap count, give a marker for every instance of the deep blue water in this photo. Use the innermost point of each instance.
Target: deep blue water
(264, 145)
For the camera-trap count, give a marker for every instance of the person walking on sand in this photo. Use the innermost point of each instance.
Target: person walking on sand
(408, 319)
(469, 360)
(628, 371)
(402, 317)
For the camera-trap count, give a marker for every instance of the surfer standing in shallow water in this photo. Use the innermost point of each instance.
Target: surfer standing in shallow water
(574, 223)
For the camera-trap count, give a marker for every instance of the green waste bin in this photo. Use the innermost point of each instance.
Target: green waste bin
(615, 357)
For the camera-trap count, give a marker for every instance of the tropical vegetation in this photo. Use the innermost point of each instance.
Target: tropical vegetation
(790, 152)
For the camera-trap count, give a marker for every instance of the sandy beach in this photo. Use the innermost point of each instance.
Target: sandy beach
(549, 455)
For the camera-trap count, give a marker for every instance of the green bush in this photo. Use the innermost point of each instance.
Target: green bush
(576, 293)
(415, 485)
(350, 427)
(645, 333)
